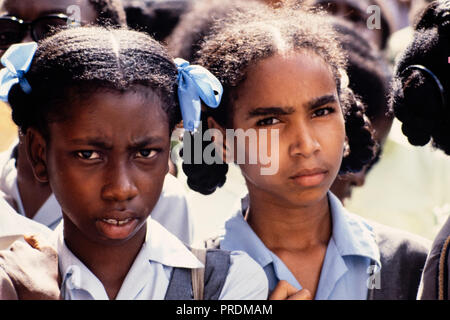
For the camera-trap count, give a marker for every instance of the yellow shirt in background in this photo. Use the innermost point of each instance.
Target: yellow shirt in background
(8, 130)
(408, 189)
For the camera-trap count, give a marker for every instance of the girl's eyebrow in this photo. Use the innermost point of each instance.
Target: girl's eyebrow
(102, 144)
(95, 142)
(275, 111)
(141, 143)
(320, 101)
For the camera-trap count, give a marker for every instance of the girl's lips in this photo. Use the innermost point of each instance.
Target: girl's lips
(116, 228)
(310, 178)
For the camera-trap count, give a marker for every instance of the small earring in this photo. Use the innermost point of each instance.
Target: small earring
(346, 149)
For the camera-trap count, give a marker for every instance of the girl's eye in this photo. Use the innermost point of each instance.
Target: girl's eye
(146, 153)
(88, 155)
(267, 122)
(323, 112)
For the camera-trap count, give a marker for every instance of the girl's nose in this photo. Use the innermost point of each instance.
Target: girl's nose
(120, 186)
(304, 144)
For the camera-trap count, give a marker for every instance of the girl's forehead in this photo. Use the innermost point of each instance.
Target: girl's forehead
(291, 60)
(110, 113)
(288, 75)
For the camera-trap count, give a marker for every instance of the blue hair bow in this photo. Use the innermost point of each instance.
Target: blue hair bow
(17, 61)
(195, 83)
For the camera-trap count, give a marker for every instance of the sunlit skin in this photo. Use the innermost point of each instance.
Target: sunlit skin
(296, 94)
(33, 193)
(106, 160)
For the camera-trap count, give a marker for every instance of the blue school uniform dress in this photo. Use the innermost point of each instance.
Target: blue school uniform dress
(171, 210)
(149, 275)
(351, 258)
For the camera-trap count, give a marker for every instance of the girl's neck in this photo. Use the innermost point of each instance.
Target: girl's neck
(290, 228)
(109, 263)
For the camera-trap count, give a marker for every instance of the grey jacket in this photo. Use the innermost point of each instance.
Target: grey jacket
(435, 283)
(403, 258)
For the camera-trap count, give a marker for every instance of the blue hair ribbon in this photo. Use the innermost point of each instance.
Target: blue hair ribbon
(195, 83)
(17, 61)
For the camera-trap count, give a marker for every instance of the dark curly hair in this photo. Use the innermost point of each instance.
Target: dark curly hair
(77, 62)
(248, 37)
(110, 12)
(197, 23)
(369, 73)
(417, 100)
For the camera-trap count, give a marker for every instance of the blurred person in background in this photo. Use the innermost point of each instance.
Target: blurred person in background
(421, 101)
(369, 77)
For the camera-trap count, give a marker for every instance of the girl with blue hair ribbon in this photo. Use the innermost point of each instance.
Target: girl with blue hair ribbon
(97, 107)
(24, 21)
(283, 71)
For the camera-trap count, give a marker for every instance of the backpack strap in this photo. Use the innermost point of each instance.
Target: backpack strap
(443, 277)
(202, 283)
(179, 285)
(198, 274)
(217, 266)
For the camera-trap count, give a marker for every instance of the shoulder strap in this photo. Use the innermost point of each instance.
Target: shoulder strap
(443, 277)
(179, 285)
(198, 274)
(186, 284)
(216, 271)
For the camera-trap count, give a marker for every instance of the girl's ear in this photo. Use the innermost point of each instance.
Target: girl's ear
(36, 147)
(220, 142)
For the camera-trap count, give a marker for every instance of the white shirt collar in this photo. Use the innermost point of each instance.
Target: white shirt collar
(351, 234)
(160, 247)
(13, 224)
(165, 248)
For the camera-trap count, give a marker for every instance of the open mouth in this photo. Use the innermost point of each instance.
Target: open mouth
(117, 228)
(117, 222)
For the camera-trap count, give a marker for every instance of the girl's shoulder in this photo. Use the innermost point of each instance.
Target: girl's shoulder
(403, 257)
(397, 243)
(435, 279)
